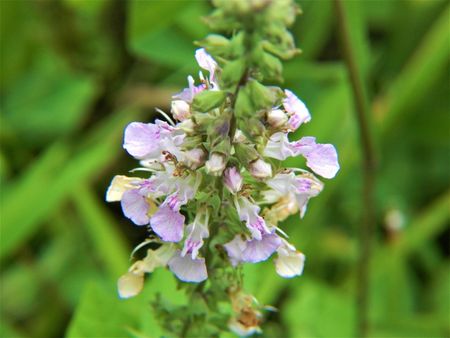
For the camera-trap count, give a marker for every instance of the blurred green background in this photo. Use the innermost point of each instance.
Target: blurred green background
(75, 72)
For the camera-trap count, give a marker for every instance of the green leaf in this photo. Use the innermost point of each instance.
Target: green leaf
(48, 101)
(101, 313)
(103, 231)
(50, 180)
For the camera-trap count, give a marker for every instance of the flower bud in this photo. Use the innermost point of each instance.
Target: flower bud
(276, 118)
(260, 169)
(194, 158)
(181, 110)
(239, 136)
(130, 284)
(233, 180)
(216, 164)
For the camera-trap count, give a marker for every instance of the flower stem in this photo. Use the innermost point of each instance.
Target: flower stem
(369, 169)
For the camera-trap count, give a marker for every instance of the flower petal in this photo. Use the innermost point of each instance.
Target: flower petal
(259, 250)
(188, 269)
(321, 158)
(130, 284)
(141, 139)
(135, 207)
(297, 110)
(234, 249)
(289, 263)
(118, 186)
(168, 224)
(279, 147)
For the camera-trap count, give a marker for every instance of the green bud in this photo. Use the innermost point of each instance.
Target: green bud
(216, 45)
(232, 73)
(208, 100)
(245, 153)
(271, 67)
(244, 106)
(261, 96)
(222, 146)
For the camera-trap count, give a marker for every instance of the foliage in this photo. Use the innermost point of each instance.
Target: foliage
(74, 73)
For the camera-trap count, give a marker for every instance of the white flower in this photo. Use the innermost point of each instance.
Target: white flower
(216, 164)
(277, 118)
(289, 262)
(119, 185)
(181, 110)
(194, 158)
(260, 169)
(131, 283)
(232, 180)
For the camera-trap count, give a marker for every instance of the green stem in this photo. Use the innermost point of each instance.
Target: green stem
(368, 166)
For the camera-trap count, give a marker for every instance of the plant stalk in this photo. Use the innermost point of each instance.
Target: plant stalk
(368, 166)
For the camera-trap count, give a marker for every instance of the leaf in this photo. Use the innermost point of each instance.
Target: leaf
(48, 101)
(52, 178)
(316, 310)
(101, 313)
(425, 66)
(103, 231)
(149, 35)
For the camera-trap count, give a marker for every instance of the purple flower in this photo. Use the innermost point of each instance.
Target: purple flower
(303, 187)
(189, 93)
(279, 147)
(234, 249)
(168, 224)
(188, 269)
(197, 231)
(259, 250)
(321, 158)
(135, 207)
(147, 141)
(253, 250)
(296, 109)
(249, 213)
(206, 62)
(232, 180)
(142, 140)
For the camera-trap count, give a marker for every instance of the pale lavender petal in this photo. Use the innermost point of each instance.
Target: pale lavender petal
(234, 249)
(248, 212)
(141, 139)
(321, 158)
(232, 179)
(205, 61)
(259, 250)
(197, 231)
(168, 224)
(297, 110)
(257, 226)
(279, 147)
(135, 207)
(188, 269)
(173, 202)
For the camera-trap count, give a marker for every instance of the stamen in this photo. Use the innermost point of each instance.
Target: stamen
(166, 116)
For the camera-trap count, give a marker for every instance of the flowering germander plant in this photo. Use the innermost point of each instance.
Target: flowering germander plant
(216, 189)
